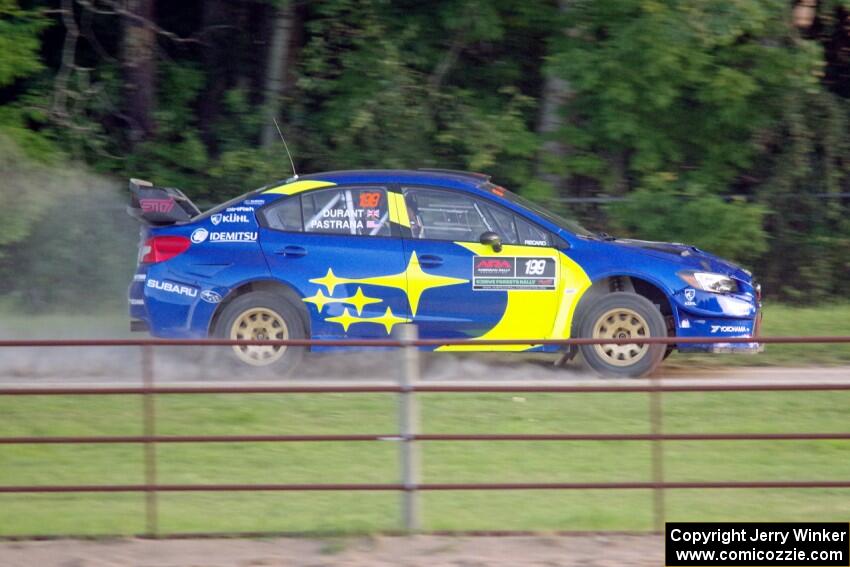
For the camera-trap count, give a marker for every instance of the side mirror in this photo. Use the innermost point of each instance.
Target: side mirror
(491, 239)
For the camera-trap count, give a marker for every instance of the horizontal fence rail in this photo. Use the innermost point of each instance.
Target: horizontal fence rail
(132, 439)
(408, 437)
(386, 487)
(422, 388)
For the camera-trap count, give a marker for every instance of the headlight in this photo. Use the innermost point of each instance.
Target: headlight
(706, 281)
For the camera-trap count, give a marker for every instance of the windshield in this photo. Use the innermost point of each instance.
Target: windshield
(567, 224)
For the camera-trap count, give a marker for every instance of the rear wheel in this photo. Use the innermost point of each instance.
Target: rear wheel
(260, 316)
(622, 315)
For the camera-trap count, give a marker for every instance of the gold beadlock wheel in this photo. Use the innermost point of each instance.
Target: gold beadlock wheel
(259, 324)
(621, 323)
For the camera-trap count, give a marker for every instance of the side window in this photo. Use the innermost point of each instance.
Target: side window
(444, 215)
(285, 215)
(360, 211)
(530, 235)
(501, 222)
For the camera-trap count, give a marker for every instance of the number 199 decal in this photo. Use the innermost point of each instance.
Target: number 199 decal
(505, 273)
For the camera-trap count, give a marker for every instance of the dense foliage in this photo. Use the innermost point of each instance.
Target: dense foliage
(723, 124)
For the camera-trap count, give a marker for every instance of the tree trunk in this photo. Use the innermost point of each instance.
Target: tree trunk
(277, 69)
(219, 62)
(556, 92)
(139, 67)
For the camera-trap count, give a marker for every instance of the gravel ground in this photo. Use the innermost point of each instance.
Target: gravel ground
(433, 551)
(122, 365)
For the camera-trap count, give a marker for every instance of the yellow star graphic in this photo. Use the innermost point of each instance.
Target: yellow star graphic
(319, 300)
(388, 320)
(419, 281)
(346, 319)
(330, 281)
(359, 300)
(413, 280)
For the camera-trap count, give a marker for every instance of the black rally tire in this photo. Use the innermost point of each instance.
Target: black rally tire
(641, 306)
(264, 300)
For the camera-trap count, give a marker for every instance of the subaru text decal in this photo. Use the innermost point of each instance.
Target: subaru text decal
(170, 287)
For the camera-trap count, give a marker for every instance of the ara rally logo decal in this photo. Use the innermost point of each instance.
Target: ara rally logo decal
(513, 273)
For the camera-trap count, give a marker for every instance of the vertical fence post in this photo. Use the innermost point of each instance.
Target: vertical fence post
(408, 417)
(656, 425)
(149, 430)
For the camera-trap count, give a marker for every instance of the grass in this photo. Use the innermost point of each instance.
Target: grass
(331, 512)
(335, 513)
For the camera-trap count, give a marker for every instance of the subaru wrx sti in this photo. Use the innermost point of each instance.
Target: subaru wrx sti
(352, 254)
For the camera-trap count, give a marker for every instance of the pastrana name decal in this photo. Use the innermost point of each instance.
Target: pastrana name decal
(508, 272)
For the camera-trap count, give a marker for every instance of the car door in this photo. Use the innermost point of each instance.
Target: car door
(337, 249)
(462, 288)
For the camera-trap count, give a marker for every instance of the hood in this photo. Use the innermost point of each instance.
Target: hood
(689, 256)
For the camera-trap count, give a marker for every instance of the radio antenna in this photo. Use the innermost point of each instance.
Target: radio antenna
(282, 139)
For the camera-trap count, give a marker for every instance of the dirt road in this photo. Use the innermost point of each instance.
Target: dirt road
(433, 551)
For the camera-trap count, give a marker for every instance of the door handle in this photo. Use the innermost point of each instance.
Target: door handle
(430, 261)
(292, 251)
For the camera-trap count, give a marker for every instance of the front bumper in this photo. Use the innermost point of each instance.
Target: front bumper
(731, 348)
(689, 325)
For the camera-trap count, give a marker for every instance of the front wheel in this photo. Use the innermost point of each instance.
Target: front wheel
(263, 315)
(622, 315)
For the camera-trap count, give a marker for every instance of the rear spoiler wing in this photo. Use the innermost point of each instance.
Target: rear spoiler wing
(159, 206)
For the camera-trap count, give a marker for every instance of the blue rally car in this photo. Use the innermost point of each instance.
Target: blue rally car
(352, 254)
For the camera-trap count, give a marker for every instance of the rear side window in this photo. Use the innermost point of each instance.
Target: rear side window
(356, 211)
(286, 215)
